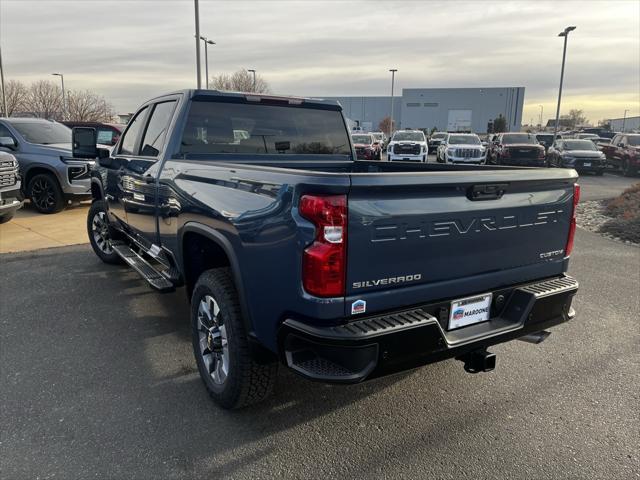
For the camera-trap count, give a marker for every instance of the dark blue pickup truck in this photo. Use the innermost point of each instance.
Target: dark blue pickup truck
(292, 252)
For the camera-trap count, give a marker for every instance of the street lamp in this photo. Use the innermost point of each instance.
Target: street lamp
(393, 78)
(565, 34)
(254, 78)
(206, 57)
(64, 96)
(198, 70)
(624, 120)
(541, 110)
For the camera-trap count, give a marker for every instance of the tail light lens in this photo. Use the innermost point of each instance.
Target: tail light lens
(572, 226)
(324, 261)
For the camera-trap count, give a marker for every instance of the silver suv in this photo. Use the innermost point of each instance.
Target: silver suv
(51, 177)
(10, 196)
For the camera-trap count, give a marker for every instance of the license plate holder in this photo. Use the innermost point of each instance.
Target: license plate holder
(469, 311)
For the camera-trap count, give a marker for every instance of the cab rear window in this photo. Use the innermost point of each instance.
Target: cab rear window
(239, 128)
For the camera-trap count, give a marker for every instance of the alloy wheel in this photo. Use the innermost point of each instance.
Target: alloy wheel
(212, 336)
(42, 194)
(100, 232)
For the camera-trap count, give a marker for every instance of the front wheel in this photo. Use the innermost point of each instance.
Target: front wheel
(101, 234)
(45, 193)
(221, 347)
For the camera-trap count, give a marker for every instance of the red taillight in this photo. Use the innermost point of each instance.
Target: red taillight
(324, 261)
(572, 225)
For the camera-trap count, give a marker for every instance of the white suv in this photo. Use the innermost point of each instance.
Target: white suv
(407, 145)
(461, 148)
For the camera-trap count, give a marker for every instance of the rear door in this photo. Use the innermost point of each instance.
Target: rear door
(420, 237)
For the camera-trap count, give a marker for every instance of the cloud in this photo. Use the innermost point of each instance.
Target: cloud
(129, 50)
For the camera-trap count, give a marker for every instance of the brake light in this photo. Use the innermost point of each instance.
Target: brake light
(324, 261)
(572, 225)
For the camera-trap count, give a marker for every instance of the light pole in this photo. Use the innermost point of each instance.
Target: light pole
(624, 120)
(206, 57)
(393, 78)
(254, 78)
(64, 96)
(565, 34)
(541, 110)
(198, 71)
(4, 96)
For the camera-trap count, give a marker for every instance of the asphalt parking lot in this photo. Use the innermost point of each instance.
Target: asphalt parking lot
(98, 379)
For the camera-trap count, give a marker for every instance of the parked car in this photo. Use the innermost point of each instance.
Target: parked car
(518, 149)
(274, 240)
(585, 136)
(10, 196)
(51, 177)
(107, 133)
(545, 139)
(366, 147)
(624, 153)
(461, 148)
(380, 138)
(407, 145)
(581, 155)
(435, 140)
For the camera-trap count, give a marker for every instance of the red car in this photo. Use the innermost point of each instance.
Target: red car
(367, 148)
(624, 152)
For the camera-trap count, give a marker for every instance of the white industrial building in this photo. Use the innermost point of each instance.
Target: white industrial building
(629, 124)
(446, 109)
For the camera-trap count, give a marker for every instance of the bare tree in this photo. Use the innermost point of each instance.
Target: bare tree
(87, 106)
(386, 127)
(16, 94)
(240, 81)
(45, 100)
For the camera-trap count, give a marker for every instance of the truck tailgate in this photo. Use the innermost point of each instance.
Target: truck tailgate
(418, 237)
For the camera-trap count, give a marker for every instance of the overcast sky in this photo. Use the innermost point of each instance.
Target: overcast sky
(129, 51)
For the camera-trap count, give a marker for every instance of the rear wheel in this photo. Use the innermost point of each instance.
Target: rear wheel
(6, 218)
(220, 344)
(101, 234)
(45, 193)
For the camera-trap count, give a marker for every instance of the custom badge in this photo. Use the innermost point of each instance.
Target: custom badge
(359, 306)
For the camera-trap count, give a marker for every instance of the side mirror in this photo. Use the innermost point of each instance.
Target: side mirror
(85, 142)
(8, 142)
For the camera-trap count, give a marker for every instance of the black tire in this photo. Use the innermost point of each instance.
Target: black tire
(101, 234)
(245, 382)
(6, 218)
(45, 193)
(627, 169)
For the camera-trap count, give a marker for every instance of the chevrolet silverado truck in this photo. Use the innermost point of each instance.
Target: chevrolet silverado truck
(292, 252)
(624, 153)
(10, 196)
(51, 177)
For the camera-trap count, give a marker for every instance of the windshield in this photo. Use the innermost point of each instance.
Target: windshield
(438, 136)
(464, 140)
(633, 140)
(526, 138)
(240, 128)
(43, 133)
(579, 145)
(362, 139)
(587, 135)
(408, 136)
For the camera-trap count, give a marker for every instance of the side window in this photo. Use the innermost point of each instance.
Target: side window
(157, 129)
(128, 144)
(4, 131)
(623, 140)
